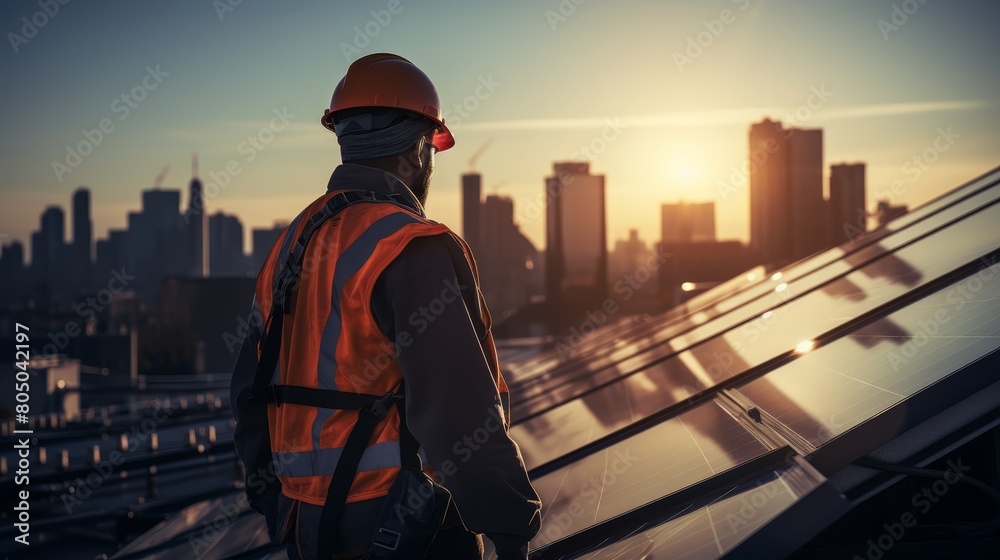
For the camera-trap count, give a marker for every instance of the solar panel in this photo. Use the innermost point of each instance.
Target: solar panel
(629, 356)
(836, 387)
(776, 332)
(528, 368)
(543, 362)
(208, 530)
(668, 457)
(728, 522)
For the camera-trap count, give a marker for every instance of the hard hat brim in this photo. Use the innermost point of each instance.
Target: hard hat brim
(442, 139)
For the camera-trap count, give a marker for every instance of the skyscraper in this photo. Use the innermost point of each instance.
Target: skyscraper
(848, 216)
(13, 272)
(48, 245)
(83, 235)
(225, 234)
(770, 207)
(161, 208)
(262, 240)
(575, 239)
(810, 230)
(157, 238)
(686, 223)
(472, 186)
(628, 256)
(505, 258)
(195, 217)
(788, 217)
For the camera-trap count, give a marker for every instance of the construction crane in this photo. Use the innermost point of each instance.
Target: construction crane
(479, 152)
(159, 178)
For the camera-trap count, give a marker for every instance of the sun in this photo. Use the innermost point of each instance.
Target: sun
(685, 171)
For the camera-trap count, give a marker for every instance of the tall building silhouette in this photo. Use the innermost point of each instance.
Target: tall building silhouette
(196, 219)
(472, 187)
(687, 222)
(690, 262)
(575, 239)
(83, 234)
(810, 232)
(225, 234)
(848, 216)
(788, 218)
(156, 239)
(628, 256)
(505, 257)
(48, 245)
(262, 239)
(13, 272)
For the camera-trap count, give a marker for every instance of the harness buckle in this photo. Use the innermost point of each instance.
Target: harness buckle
(381, 407)
(386, 538)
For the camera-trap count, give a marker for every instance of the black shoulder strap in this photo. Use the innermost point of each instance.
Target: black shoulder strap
(287, 280)
(371, 408)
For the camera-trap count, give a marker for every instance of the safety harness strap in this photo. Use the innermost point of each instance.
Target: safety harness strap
(288, 278)
(371, 408)
(319, 398)
(347, 468)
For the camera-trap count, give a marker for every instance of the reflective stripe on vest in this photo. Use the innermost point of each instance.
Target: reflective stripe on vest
(348, 264)
(384, 455)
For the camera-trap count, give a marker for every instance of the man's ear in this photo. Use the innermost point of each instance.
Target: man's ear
(413, 155)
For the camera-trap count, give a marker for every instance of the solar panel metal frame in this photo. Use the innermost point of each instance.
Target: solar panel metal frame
(873, 237)
(857, 441)
(818, 508)
(966, 380)
(796, 297)
(847, 327)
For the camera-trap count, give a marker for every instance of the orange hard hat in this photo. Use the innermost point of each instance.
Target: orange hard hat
(388, 80)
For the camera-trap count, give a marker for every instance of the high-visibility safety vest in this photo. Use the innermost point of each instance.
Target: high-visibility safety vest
(319, 291)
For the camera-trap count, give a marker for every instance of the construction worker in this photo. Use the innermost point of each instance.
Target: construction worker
(368, 389)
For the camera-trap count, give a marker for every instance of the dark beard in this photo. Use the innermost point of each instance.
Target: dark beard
(421, 187)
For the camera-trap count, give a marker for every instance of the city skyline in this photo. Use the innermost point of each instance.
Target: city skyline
(671, 130)
(471, 188)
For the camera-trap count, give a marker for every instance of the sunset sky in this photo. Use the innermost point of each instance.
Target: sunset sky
(551, 76)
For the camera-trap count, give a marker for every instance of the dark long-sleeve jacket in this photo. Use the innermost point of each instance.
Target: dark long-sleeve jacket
(427, 302)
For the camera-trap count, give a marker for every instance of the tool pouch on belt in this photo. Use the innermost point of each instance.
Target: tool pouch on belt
(414, 511)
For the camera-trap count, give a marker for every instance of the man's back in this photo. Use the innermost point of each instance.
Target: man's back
(387, 296)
